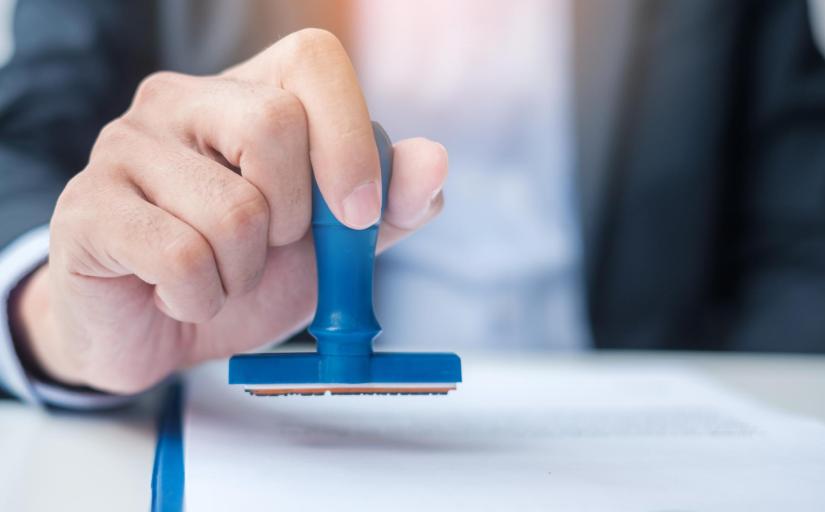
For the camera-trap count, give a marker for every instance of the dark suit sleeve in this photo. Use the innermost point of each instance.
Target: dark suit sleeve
(782, 251)
(74, 66)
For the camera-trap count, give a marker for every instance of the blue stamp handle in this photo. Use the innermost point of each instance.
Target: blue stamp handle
(345, 325)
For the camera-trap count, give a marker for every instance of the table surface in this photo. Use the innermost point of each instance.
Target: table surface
(103, 461)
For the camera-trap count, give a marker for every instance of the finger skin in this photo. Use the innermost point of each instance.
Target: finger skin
(313, 65)
(149, 250)
(419, 172)
(256, 129)
(226, 209)
(119, 234)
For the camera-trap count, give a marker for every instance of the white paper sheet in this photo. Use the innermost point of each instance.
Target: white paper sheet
(516, 436)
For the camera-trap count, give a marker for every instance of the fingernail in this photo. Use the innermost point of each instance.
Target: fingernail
(363, 206)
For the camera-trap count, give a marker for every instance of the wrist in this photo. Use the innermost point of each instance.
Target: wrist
(33, 332)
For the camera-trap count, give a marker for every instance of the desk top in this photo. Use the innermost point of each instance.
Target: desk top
(62, 460)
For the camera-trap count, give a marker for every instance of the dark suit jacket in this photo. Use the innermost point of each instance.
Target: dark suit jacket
(701, 134)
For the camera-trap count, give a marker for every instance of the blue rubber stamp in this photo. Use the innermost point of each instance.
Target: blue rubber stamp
(345, 325)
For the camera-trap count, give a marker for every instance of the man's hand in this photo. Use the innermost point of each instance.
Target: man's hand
(186, 236)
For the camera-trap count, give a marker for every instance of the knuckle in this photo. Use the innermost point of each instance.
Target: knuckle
(115, 134)
(247, 214)
(65, 215)
(75, 221)
(73, 193)
(189, 257)
(154, 86)
(114, 142)
(279, 115)
(314, 39)
(312, 43)
(77, 206)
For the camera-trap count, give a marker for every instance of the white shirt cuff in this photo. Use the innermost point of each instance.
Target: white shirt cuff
(18, 260)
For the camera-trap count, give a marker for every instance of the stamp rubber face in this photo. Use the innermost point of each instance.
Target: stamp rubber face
(352, 389)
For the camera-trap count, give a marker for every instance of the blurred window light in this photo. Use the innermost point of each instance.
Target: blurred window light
(817, 12)
(6, 30)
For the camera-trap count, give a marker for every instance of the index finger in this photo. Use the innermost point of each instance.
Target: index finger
(313, 65)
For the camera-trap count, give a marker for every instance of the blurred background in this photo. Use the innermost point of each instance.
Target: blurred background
(639, 174)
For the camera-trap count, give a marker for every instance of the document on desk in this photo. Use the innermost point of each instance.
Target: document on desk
(515, 436)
